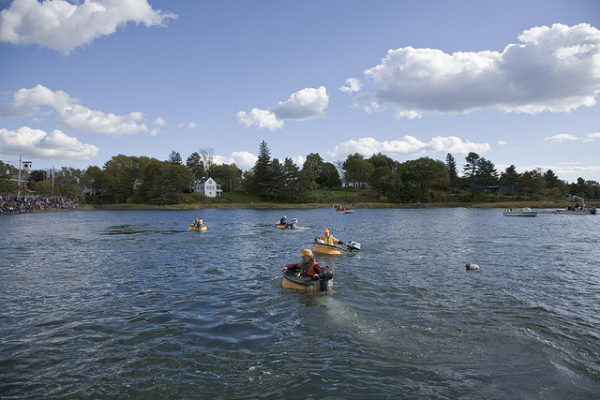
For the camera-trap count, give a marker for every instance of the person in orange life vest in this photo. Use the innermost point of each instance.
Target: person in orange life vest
(308, 266)
(327, 238)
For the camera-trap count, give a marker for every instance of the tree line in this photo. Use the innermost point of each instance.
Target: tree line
(134, 179)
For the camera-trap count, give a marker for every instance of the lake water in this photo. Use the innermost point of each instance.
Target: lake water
(129, 304)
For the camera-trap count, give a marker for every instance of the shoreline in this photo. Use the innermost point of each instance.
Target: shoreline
(266, 206)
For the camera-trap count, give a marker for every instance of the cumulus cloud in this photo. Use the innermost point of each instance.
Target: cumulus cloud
(562, 137)
(63, 26)
(38, 143)
(159, 121)
(352, 85)
(407, 145)
(259, 118)
(552, 69)
(71, 114)
(301, 105)
(242, 159)
(502, 142)
(568, 171)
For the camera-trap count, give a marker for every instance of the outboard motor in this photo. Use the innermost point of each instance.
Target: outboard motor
(326, 276)
(352, 245)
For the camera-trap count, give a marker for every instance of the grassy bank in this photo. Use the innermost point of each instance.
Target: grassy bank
(270, 205)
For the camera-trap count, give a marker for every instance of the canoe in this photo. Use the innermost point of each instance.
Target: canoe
(328, 249)
(201, 228)
(293, 280)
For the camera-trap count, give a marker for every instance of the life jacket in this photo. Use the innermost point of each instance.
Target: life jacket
(310, 270)
(328, 240)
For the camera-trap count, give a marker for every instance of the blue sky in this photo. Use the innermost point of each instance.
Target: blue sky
(515, 81)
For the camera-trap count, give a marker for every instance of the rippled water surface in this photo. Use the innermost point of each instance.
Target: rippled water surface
(129, 304)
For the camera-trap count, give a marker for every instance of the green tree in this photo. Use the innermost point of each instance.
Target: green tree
(228, 176)
(329, 177)
(312, 169)
(175, 158)
(470, 167)
(421, 176)
(452, 174)
(486, 174)
(357, 170)
(196, 165)
(35, 176)
(262, 175)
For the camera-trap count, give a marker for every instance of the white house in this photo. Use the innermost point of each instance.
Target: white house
(207, 186)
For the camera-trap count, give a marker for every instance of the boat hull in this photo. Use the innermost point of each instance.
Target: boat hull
(520, 213)
(293, 280)
(285, 226)
(327, 249)
(194, 228)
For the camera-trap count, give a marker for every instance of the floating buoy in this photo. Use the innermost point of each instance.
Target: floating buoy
(472, 267)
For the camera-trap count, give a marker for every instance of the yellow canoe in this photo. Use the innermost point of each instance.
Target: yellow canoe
(328, 249)
(201, 228)
(293, 280)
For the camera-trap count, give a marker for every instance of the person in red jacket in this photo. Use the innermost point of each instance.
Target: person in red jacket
(308, 266)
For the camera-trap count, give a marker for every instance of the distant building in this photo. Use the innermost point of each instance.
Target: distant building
(207, 186)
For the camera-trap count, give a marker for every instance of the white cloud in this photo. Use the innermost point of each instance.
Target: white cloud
(299, 160)
(551, 69)
(259, 118)
(38, 143)
(407, 145)
(63, 26)
(568, 171)
(242, 159)
(562, 137)
(301, 105)
(353, 85)
(594, 135)
(154, 132)
(160, 121)
(502, 142)
(70, 114)
(192, 125)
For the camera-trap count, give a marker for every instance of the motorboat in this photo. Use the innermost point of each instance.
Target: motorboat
(525, 212)
(293, 280)
(323, 248)
(341, 209)
(197, 228)
(289, 225)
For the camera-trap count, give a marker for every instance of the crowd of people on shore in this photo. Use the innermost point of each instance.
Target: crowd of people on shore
(23, 204)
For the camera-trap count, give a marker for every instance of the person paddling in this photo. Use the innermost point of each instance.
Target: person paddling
(308, 266)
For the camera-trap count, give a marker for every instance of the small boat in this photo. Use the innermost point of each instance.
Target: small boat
(525, 212)
(339, 208)
(293, 280)
(197, 228)
(577, 211)
(323, 248)
(289, 225)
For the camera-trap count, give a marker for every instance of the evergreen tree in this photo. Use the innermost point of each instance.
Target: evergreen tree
(453, 175)
(175, 158)
(262, 173)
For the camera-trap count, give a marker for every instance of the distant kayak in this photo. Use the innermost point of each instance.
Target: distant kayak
(293, 280)
(197, 228)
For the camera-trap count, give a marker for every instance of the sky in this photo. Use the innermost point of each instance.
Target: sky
(516, 82)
